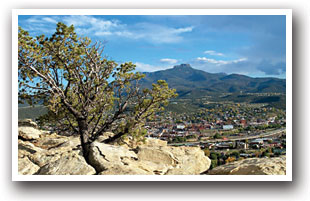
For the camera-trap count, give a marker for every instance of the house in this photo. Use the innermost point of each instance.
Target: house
(227, 127)
(180, 126)
(257, 141)
(243, 122)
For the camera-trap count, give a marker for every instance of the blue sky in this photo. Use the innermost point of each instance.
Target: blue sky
(249, 45)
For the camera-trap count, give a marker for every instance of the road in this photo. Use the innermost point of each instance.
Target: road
(267, 134)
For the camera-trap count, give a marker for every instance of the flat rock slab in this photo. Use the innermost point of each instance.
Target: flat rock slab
(253, 166)
(68, 164)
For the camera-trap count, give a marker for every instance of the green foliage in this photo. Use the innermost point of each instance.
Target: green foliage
(213, 164)
(217, 136)
(215, 155)
(179, 139)
(83, 91)
(236, 154)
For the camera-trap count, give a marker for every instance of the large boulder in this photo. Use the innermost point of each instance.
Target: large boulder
(174, 160)
(191, 161)
(156, 159)
(152, 157)
(104, 156)
(47, 148)
(253, 166)
(68, 164)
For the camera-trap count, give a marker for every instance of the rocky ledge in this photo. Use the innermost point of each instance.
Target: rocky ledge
(43, 153)
(253, 166)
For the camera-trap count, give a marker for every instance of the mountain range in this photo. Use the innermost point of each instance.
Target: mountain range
(191, 84)
(186, 79)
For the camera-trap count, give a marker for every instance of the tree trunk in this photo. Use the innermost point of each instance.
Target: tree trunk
(84, 137)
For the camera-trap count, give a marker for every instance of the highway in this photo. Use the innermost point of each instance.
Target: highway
(261, 135)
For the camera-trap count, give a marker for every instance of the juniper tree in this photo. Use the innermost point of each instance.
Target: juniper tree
(85, 93)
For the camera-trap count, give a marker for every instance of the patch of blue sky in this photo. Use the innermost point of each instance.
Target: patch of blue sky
(247, 44)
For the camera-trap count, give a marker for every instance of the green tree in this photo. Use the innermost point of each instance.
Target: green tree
(85, 93)
(236, 154)
(217, 136)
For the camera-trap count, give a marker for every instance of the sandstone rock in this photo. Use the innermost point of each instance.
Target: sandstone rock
(26, 167)
(163, 159)
(124, 170)
(156, 155)
(131, 143)
(191, 161)
(68, 164)
(156, 159)
(27, 123)
(104, 136)
(26, 148)
(103, 156)
(152, 142)
(28, 133)
(47, 148)
(253, 166)
(43, 158)
(152, 157)
(54, 141)
(52, 154)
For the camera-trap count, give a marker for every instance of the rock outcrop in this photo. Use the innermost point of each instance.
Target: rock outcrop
(26, 167)
(28, 133)
(152, 157)
(27, 123)
(71, 163)
(253, 166)
(40, 152)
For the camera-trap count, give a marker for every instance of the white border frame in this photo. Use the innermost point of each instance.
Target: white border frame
(17, 177)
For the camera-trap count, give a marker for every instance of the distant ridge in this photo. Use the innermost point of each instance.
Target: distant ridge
(186, 79)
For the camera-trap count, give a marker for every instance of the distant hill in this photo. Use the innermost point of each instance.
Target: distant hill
(191, 84)
(186, 79)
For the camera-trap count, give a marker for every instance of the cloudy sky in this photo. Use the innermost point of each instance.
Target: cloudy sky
(249, 45)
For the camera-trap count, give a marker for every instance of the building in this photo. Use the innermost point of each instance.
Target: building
(243, 122)
(180, 126)
(228, 127)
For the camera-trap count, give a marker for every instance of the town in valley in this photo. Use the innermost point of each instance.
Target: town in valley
(226, 131)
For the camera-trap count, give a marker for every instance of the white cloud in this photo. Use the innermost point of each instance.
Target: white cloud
(183, 30)
(95, 26)
(213, 53)
(142, 67)
(49, 19)
(169, 61)
(156, 33)
(219, 62)
(89, 25)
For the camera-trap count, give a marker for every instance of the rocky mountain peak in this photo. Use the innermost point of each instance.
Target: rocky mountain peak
(183, 66)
